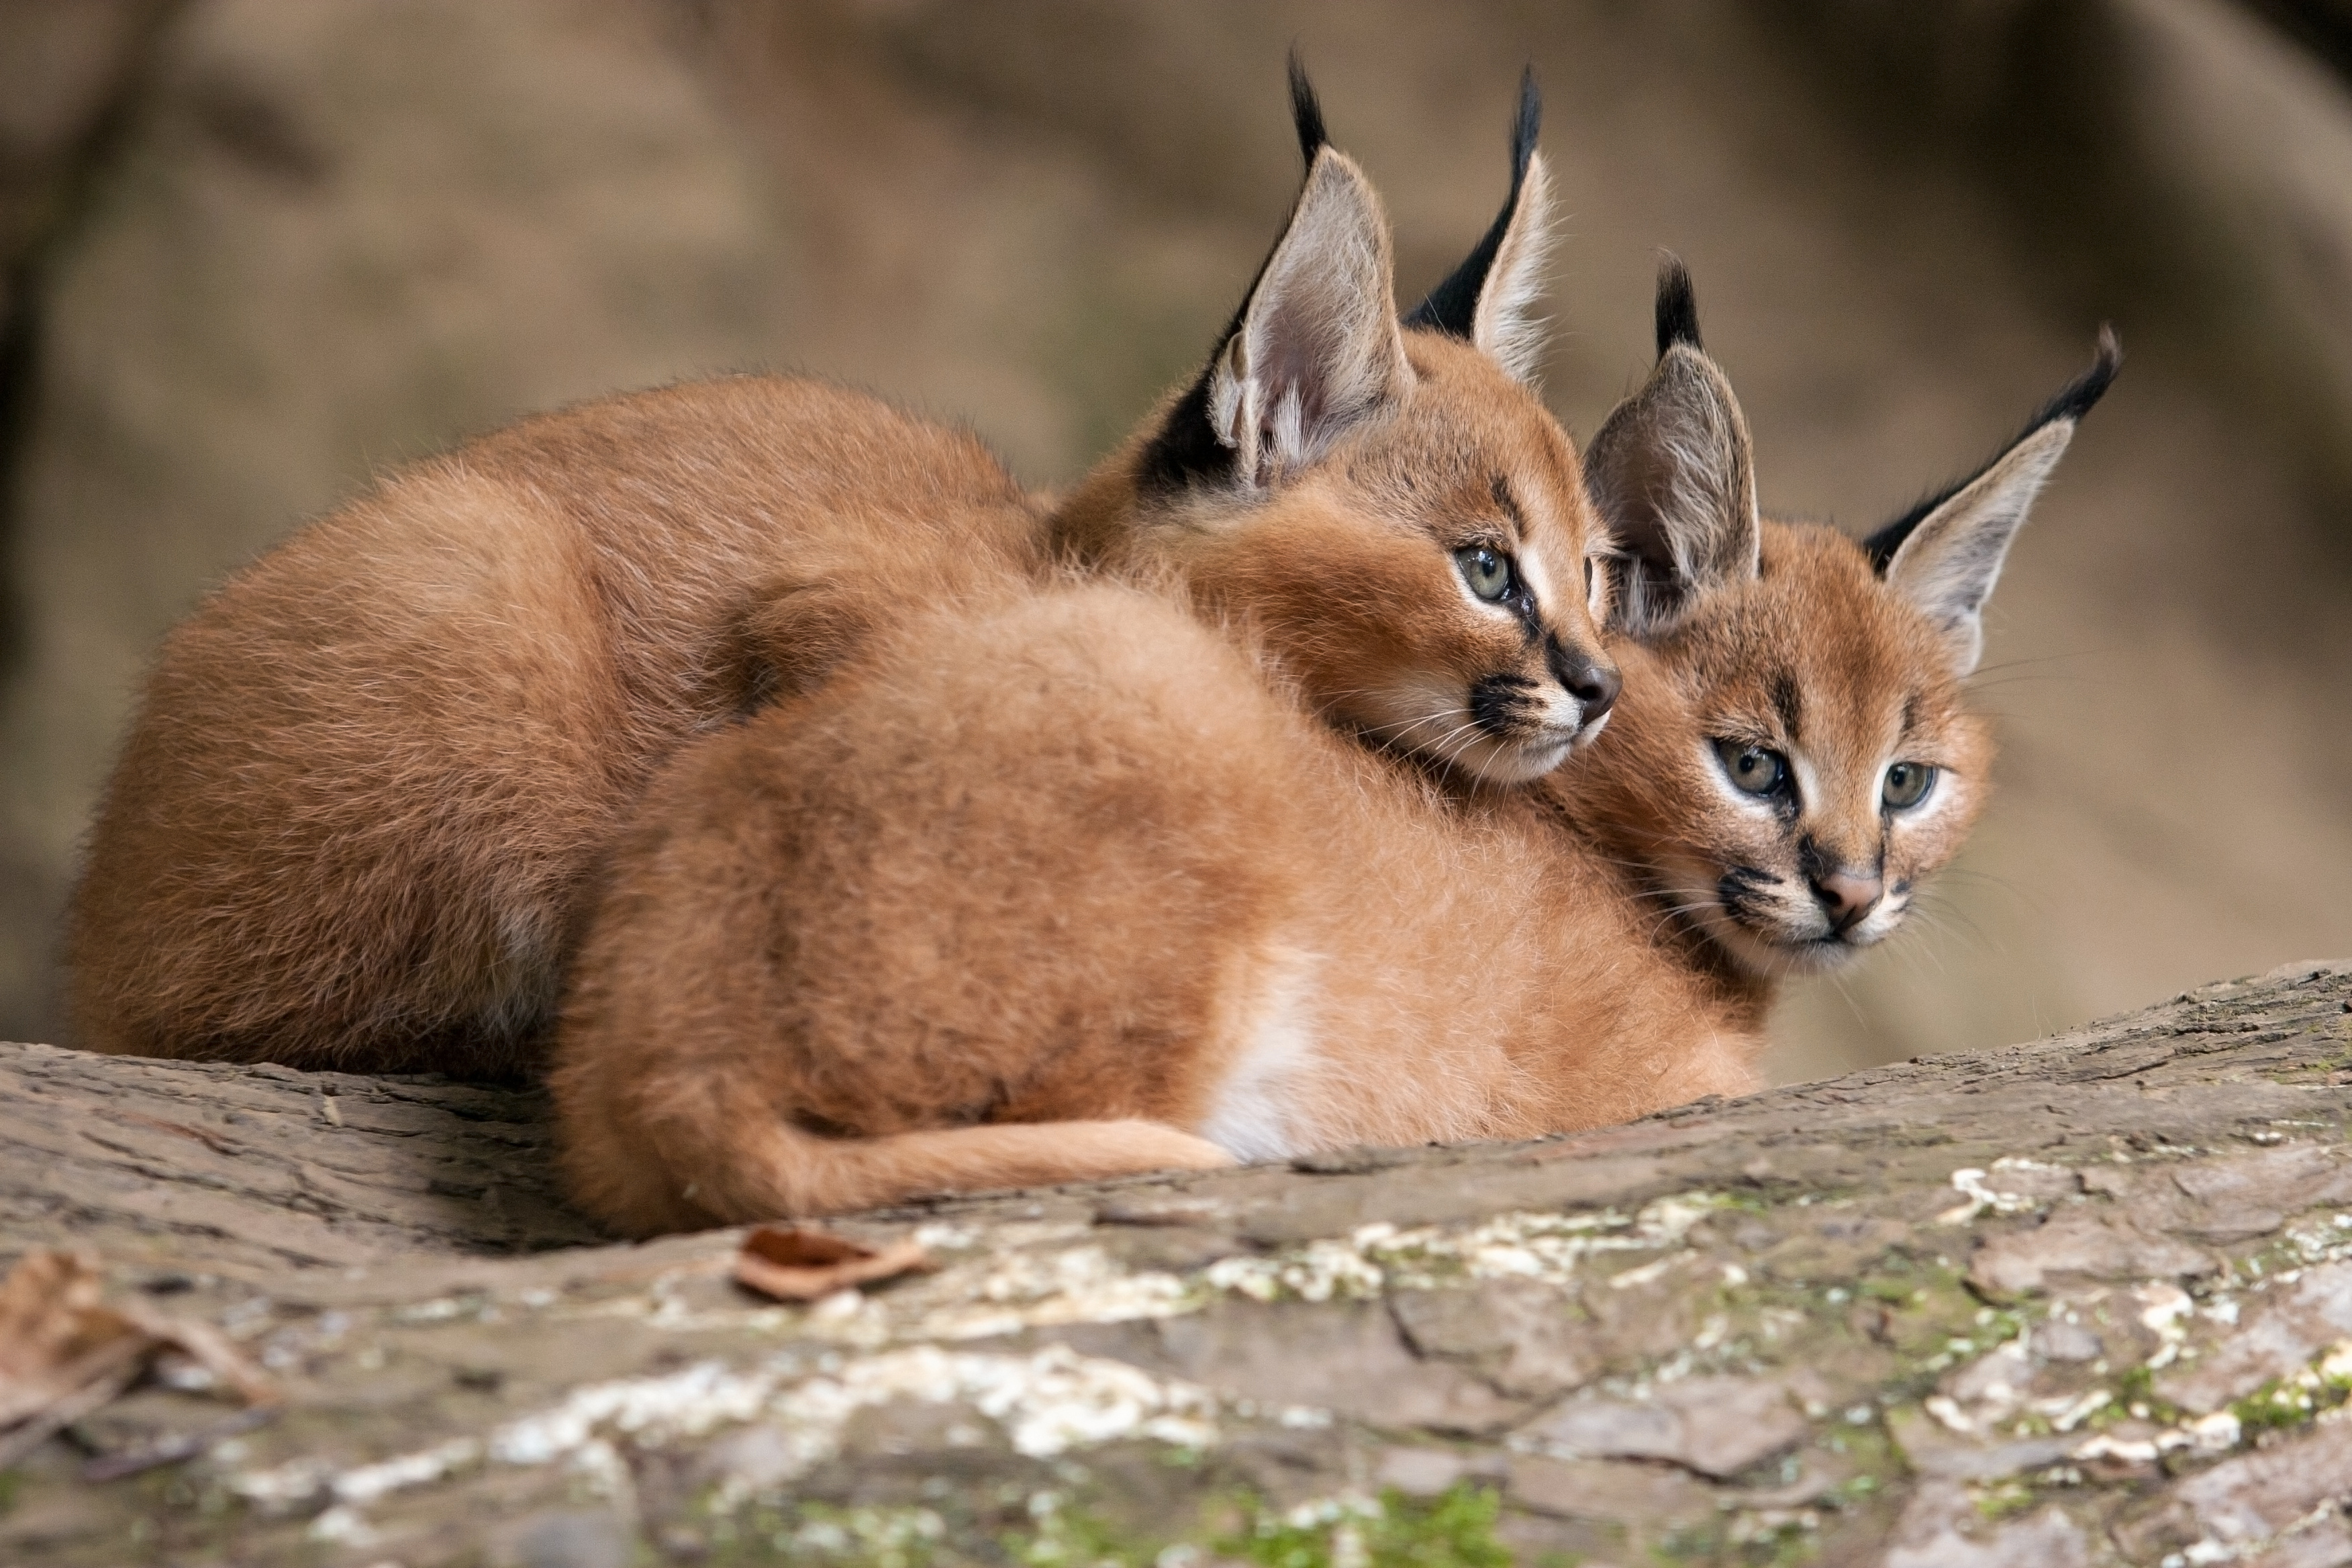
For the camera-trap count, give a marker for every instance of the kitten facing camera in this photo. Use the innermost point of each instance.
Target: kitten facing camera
(1078, 887)
(1801, 756)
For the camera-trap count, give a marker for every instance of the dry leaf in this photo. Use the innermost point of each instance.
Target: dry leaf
(800, 1263)
(64, 1354)
(56, 1338)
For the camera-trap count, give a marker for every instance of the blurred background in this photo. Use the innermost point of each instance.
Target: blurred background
(253, 251)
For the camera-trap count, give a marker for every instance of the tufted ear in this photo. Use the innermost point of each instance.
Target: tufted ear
(1672, 475)
(1314, 350)
(1946, 553)
(1490, 299)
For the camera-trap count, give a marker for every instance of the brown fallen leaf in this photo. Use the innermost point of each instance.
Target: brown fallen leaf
(65, 1353)
(800, 1263)
(56, 1337)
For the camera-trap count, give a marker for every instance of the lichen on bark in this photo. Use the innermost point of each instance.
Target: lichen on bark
(2086, 1299)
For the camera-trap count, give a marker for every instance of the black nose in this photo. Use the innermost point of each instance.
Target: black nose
(1592, 682)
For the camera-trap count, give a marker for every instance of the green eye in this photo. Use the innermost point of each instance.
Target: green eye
(1755, 769)
(1908, 784)
(1488, 572)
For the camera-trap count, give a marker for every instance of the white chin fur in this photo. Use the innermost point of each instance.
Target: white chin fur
(1762, 957)
(1431, 722)
(1493, 761)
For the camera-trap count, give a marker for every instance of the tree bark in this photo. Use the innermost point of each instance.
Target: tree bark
(2084, 1301)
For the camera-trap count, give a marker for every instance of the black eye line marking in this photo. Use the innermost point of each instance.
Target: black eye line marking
(1812, 864)
(1500, 488)
(1788, 703)
(1514, 595)
(1556, 662)
(1783, 797)
(1521, 599)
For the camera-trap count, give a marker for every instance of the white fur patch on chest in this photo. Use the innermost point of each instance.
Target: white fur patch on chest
(1257, 1112)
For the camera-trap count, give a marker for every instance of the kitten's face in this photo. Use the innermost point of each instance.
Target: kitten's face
(1794, 758)
(1809, 761)
(1383, 505)
(1433, 582)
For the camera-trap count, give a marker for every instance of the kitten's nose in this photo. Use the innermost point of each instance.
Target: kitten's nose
(1846, 897)
(1594, 683)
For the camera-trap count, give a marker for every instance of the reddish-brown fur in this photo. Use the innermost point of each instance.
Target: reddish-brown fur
(1872, 685)
(358, 816)
(1348, 575)
(1069, 885)
(1042, 874)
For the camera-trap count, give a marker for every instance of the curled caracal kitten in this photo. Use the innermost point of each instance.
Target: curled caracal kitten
(1073, 888)
(358, 816)
(355, 819)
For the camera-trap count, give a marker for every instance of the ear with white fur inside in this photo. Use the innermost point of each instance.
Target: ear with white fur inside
(1490, 299)
(1946, 553)
(1319, 348)
(1314, 349)
(1673, 475)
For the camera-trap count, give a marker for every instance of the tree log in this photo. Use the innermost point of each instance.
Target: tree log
(2084, 1301)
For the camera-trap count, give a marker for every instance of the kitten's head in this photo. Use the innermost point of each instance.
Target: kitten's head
(1385, 504)
(1795, 754)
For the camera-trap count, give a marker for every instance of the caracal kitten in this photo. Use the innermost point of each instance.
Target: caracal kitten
(358, 817)
(1072, 887)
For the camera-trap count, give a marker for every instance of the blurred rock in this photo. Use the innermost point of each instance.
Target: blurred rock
(346, 234)
(63, 64)
(334, 237)
(1716, 1427)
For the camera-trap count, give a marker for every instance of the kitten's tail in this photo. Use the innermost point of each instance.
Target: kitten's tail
(739, 1171)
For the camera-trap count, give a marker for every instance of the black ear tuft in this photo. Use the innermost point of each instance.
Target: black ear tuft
(1451, 307)
(2080, 396)
(1527, 126)
(1305, 113)
(2076, 398)
(1677, 306)
(1185, 449)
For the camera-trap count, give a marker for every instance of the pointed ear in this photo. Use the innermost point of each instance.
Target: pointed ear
(1318, 349)
(1946, 553)
(1490, 299)
(1672, 474)
(1312, 351)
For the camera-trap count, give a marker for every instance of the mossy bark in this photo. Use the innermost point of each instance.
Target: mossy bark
(2088, 1300)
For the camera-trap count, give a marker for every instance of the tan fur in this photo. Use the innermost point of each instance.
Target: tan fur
(1348, 575)
(1815, 658)
(357, 811)
(1067, 861)
(1076, 861)
(357, 819)
(1078, 884)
